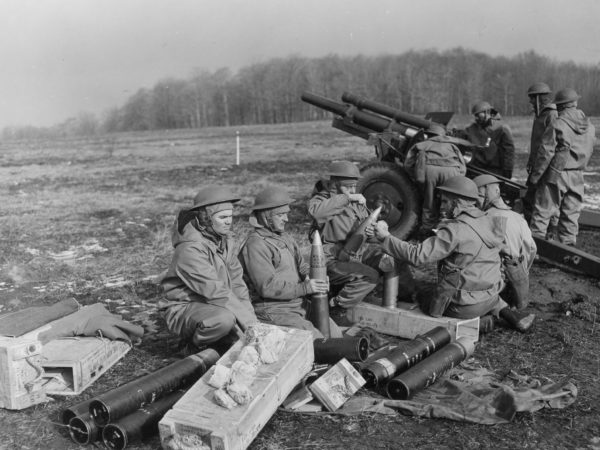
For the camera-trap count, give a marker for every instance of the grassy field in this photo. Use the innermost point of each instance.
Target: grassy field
(91, 219)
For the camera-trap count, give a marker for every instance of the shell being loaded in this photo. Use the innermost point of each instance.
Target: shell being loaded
(358, 238)
(406, 355)
(319, 303)
(428, 371)
(129, 397)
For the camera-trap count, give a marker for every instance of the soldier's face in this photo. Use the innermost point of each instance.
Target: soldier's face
(446, 206)
(346, 187)
(278, 221)
(221, 221)
(483, 117)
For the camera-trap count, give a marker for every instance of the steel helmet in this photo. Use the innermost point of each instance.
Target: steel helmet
(344, 169)
(485, 179)
(271, 197)
(538, 89)
(437, 129)
(480, 106)
(461, 186)
(565, 96)
(213, 195)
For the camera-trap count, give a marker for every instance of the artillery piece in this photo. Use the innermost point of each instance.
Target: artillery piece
(385, 183)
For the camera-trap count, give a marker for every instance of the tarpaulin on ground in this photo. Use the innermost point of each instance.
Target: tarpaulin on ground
(472, 394)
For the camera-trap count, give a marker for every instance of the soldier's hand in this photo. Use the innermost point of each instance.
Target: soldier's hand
(314, 286)
(380, 230)
(358, 198)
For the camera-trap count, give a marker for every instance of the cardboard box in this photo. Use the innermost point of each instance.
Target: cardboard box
(337, 385)
(72, 364)
(198, 415)
(408, 321)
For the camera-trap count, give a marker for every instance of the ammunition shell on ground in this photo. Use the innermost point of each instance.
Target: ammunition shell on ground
(331, 350)
(428, 371)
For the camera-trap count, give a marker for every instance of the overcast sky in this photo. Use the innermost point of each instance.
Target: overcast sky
(60, 57)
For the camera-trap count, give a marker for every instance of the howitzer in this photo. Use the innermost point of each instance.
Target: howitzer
(393, 133)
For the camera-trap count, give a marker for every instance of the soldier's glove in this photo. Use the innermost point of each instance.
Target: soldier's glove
(507, 173)
(110, 326)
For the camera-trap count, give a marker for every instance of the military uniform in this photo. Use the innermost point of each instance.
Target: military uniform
(540, 124)
(431, 163)
(495, 148)
(337, 218)
(204, 287)
(558, 173)
(466, 249)
(275, 270)
(518, 254)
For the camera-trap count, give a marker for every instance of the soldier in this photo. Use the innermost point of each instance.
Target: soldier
(431, 163)
(519, 250)
(204, 284)
(337, 210)
(274, 268)
(545, 113)
(466, 249)
(494, 149)
(557, 173)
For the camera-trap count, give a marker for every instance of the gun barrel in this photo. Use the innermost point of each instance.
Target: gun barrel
(363, 118)
(385, 110)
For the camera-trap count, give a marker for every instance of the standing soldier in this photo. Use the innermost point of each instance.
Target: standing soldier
(208, 302)
(337, 211)
(466, 248)
(557, 173)
(494, 148)
(545, 113)
(431, 163)
(275, 271)
(519, 249)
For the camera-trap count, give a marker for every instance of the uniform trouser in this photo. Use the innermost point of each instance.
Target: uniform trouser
(199, 323)
(357, 281)
(434, 177)
(563, 198)
(293, 317)
(528, 204)
(438, 302)
(516, 292)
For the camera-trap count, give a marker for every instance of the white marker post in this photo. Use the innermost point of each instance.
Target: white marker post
(237, 148)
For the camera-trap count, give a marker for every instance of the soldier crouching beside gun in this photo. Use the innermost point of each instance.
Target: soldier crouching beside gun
(466, 250)
(274, 268)
(338, 211)
(208, 301)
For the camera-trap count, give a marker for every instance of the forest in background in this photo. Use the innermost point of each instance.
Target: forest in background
(269, 92)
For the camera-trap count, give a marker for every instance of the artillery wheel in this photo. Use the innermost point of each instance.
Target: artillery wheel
(388, 185)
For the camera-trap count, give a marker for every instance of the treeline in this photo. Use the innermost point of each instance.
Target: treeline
(269, 92)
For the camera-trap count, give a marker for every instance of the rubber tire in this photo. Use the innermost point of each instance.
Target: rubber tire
(399, 188)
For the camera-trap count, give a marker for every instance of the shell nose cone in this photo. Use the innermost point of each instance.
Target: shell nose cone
(316, 239)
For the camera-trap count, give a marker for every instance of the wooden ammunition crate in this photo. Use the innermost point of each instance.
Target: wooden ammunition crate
(408, 321)
(197, 414)
(21, 384)
(72, 364)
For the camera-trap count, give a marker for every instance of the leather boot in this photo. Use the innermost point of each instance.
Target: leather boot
(520, 321)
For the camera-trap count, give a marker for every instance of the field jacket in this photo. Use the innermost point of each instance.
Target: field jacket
(437, 151)
(203, 270)
(540, 125)
(466, 250)
(274, 267)
(520, 246)
(567, 145)
(337, 218)
(499, 155)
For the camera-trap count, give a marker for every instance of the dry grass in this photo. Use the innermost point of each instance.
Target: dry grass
(121, 192)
